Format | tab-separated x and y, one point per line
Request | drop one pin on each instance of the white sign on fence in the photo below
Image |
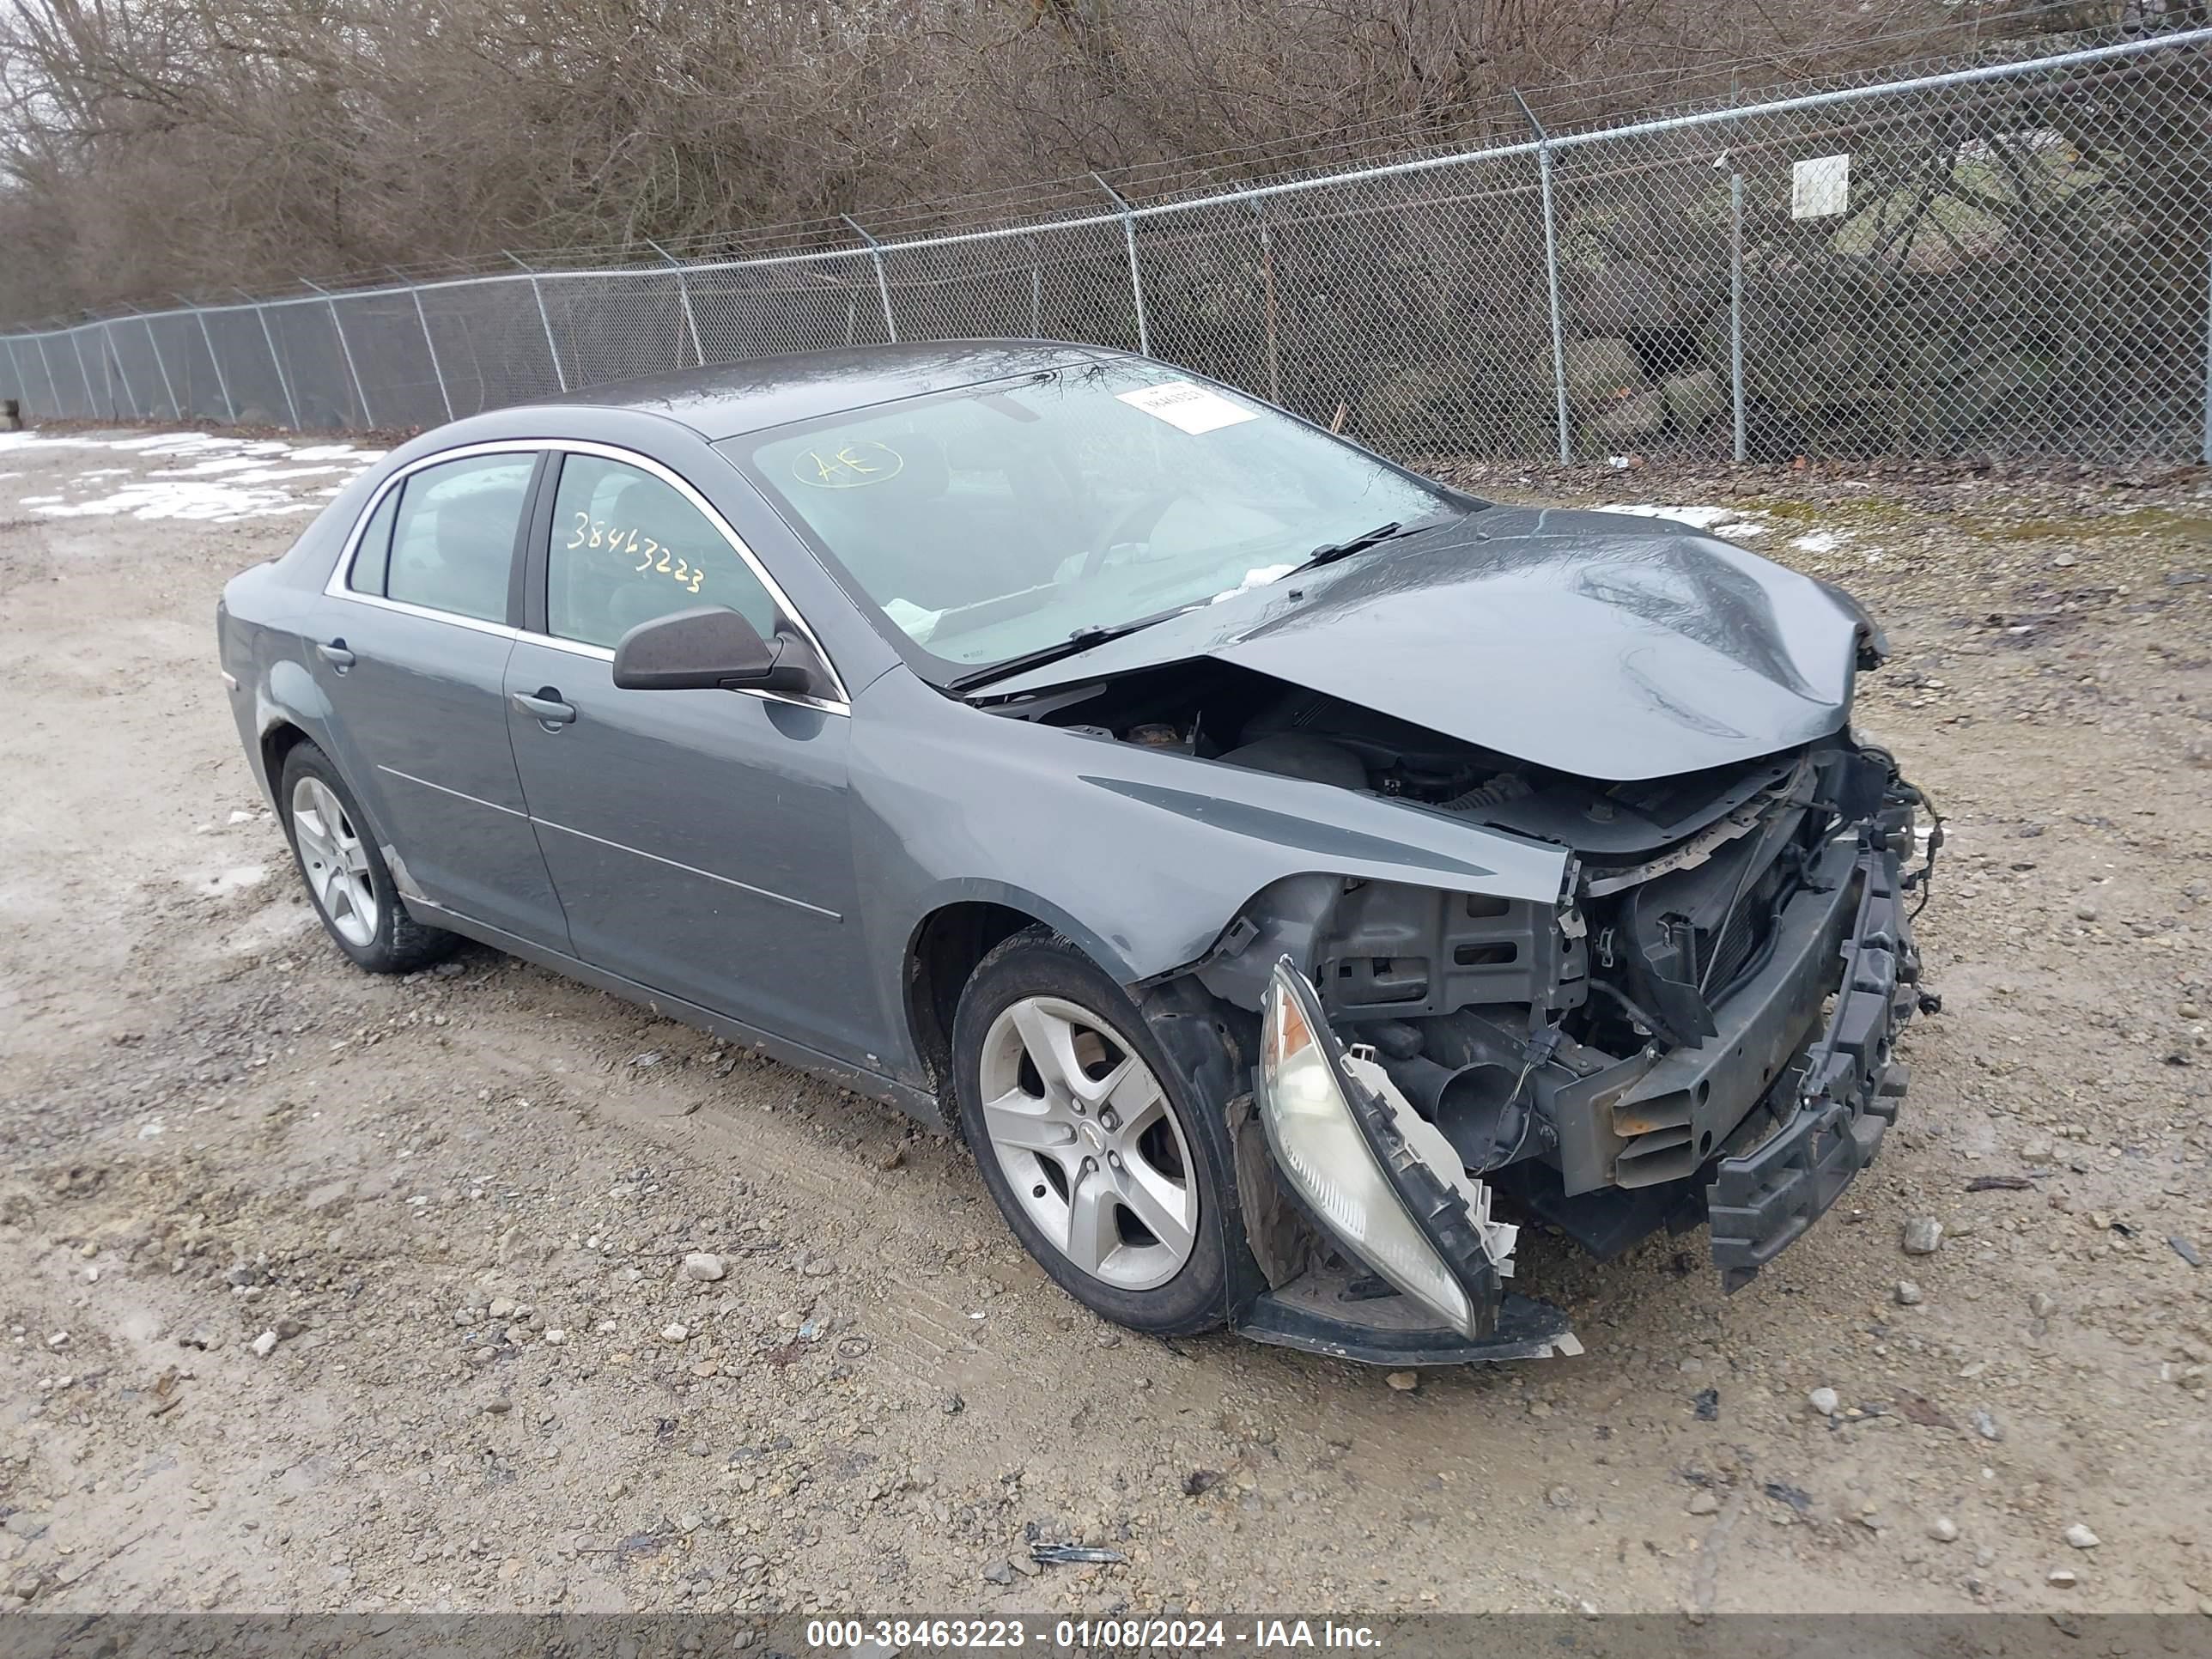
1820	187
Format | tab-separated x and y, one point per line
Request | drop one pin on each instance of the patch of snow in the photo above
216	478
1718	520
218	464
195	443
221	503
337	452
1819	541
1698	517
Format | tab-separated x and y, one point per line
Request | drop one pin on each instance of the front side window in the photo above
452	541
999	520
628	547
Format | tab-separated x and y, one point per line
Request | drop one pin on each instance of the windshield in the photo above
1002	520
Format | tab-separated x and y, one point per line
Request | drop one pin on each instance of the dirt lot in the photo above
461	1202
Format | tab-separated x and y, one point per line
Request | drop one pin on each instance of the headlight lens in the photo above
1327	1159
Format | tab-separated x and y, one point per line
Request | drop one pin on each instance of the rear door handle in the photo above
546	707
334	653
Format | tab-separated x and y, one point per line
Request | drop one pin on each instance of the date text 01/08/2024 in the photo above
899	1635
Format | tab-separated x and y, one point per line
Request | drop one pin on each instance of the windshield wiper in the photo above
1081	640
1330	552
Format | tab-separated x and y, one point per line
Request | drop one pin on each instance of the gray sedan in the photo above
1282	870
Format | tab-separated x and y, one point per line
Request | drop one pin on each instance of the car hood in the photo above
1605	645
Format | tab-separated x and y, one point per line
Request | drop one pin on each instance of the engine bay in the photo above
1217	711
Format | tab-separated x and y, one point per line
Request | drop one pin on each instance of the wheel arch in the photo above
278	740
952	935
288	708
941	955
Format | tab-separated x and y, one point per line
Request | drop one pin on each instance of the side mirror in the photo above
710	649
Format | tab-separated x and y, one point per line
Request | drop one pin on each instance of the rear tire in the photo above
1110	1159
347	879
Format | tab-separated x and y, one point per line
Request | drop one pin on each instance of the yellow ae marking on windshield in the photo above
848	466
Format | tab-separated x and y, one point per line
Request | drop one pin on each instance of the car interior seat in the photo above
595	578
472	534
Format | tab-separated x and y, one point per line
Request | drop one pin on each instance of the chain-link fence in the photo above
2007	259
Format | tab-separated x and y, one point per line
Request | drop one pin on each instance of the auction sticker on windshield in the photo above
1193	408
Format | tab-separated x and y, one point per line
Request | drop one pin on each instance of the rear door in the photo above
410	643
698	839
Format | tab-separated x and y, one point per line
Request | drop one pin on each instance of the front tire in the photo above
346	876
1109	1160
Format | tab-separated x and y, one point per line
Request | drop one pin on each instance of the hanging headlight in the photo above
1347	1149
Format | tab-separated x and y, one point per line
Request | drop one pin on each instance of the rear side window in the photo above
452	539
373	555
627	549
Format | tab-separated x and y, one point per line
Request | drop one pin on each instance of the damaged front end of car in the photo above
1427	1261
1701	1027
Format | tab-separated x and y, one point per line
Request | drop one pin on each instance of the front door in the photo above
698	839
412	654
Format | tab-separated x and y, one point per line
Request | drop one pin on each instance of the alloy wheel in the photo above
1089	1142
336	862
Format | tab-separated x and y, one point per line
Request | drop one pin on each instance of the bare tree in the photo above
149	146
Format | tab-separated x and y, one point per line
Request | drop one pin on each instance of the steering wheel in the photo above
1132	523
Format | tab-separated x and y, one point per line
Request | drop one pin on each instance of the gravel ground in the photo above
329	1292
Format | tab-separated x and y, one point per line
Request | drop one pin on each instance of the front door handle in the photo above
546	707
334	653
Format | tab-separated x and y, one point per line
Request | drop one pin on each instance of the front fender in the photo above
1140	856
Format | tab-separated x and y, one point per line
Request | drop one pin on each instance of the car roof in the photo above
723	400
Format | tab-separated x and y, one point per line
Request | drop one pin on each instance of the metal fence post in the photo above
1735	302
277	362
684	292
222	381
91	400
1136	276
429	345
176	406
883	282
22	392
545	321
360	397
1551	280
2206	452
54	388
111	354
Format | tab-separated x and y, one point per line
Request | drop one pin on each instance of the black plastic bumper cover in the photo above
1762	1202
1313	1313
